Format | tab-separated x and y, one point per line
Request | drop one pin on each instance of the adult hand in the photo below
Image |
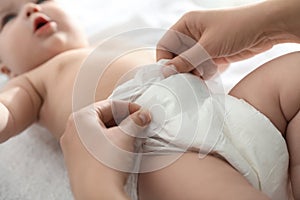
121	122
225	35
107	128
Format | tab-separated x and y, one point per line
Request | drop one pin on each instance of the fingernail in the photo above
144	116
163	61
169	70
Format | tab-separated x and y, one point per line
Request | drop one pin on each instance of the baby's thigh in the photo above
193	178
273	89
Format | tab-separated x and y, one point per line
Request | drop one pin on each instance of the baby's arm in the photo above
293	140
19	107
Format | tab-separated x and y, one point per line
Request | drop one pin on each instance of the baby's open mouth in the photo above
39	22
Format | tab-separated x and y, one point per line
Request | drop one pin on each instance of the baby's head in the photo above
32	32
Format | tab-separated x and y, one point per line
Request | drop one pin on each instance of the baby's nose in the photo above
30	8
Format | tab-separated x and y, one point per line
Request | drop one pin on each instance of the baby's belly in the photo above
113	74
61	99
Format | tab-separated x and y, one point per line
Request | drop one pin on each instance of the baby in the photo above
42	50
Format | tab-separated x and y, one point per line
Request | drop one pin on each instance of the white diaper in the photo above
186	116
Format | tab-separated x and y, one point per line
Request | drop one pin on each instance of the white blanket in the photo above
31	164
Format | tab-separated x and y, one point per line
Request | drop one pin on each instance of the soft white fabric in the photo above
187	116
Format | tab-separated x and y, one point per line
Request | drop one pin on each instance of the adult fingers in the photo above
206	70
175	41
95	135
130	128
111	113
195	59
135	124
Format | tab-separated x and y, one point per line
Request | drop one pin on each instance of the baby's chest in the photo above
57	102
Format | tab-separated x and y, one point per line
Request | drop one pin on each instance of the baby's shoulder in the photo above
70	56
46	73
63	60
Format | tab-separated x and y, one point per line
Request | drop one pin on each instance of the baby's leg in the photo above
86	174
273	89
188	178
195	179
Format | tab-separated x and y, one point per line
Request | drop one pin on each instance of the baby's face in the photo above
32	32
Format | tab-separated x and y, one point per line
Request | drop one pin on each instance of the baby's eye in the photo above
40	1
7	18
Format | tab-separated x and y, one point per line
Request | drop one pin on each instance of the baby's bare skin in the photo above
54	82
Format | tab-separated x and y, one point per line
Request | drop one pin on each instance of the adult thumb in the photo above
135	124
191	59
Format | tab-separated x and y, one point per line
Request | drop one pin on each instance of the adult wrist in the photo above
280	21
